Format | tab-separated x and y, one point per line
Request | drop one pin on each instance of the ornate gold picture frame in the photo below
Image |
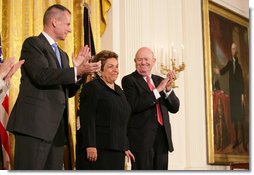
226	54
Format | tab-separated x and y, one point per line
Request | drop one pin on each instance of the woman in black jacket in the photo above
102	141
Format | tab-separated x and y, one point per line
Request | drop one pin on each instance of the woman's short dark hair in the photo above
103	56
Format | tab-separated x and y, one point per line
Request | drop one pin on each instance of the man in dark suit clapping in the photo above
150	97
39	118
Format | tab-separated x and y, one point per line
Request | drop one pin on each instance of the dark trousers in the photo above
156	158
107	160
35	154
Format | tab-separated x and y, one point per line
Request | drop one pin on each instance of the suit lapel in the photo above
50	49
47	45
155	80
65	62
141	81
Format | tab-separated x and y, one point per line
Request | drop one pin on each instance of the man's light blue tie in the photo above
57	53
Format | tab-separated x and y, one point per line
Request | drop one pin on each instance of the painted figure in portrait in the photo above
230	78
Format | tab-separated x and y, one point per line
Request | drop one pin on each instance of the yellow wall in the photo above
23	18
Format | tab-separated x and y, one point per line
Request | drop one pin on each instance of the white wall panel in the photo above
156	24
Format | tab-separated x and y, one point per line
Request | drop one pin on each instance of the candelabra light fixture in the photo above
171	59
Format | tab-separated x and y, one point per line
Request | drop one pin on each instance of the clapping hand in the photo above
8	68
171	78
167	83
14	68
84	55
83	62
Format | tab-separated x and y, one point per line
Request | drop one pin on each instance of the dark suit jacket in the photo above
143	123
44	90
104	115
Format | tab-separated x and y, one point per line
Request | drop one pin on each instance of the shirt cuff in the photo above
167	93
156	94
75	73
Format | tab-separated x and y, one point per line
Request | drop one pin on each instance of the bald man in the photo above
151	98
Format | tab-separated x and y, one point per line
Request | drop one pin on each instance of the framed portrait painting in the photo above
226	54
